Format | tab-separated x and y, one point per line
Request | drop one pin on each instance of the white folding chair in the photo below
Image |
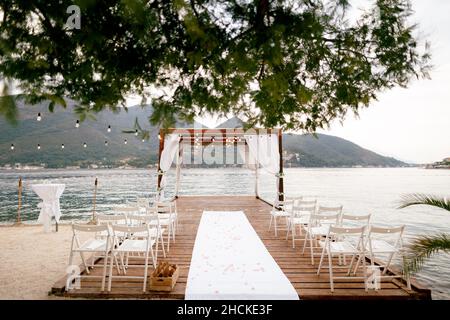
280	209
318	228
151	219
143	243
300	216
167	219
92	245
386	242
338	242
350	220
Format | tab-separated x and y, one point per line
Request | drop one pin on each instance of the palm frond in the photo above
424	199
423	248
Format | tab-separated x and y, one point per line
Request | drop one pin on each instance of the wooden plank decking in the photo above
296	266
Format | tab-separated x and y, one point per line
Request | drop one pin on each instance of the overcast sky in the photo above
410	124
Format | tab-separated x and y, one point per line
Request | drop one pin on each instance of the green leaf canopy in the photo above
296	64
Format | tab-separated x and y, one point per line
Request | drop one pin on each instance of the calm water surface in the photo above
375	191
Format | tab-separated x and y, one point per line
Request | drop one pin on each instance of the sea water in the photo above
359	190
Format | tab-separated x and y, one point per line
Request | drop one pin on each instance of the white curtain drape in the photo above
265	150
171	147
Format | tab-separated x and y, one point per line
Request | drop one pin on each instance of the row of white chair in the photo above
338	234
134	231
114	248
359	243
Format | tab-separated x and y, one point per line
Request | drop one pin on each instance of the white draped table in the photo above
229	261
49	194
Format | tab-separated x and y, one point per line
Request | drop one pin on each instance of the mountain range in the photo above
91	143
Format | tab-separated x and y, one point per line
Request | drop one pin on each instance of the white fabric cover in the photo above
50	194
229	261
264	147
171	146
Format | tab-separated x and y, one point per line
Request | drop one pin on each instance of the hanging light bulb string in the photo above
109	129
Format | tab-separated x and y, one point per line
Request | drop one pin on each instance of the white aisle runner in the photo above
229	261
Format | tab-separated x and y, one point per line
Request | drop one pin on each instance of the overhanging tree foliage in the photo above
297	64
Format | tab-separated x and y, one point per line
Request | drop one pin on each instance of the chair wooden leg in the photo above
105	262
321	260
110	272
84	262
288	229
365	272
330	271
305	240
168	238
144	288
162	245
311	248
293	231
275	225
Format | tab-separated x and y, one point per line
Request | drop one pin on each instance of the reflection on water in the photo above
374	191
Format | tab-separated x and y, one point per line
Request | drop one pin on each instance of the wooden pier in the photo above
296	266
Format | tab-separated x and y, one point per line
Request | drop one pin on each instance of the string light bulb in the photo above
77	124
39	118
85	145
39	147
62	146
12	147
143	140
136	133
125	141
109	128
106	143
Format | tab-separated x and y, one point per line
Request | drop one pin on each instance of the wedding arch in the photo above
259	149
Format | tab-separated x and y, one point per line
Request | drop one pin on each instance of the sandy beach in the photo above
32	261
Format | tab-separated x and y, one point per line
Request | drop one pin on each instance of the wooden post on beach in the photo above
281	180
19	220
94	202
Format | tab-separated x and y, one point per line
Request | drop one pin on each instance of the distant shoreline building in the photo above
444	164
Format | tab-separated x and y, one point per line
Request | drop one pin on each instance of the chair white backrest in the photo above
355	220
103	219
326	209
392	236
324	219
